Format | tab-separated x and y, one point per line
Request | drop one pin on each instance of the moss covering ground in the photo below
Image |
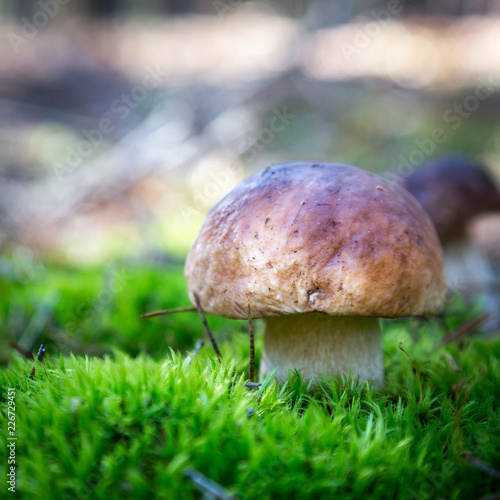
126	416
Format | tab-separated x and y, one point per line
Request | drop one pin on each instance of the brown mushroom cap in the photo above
452	190
302	237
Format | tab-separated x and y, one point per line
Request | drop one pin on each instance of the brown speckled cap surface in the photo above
301	237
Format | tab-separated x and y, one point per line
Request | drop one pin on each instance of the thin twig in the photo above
479	464
416	371
207	486
168	311
196	350
39	357
252	385
452	364
494	496
23	352
302	203
441	315
103	178
465	329
252	346
207	328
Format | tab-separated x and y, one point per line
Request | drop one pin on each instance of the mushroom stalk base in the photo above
315	343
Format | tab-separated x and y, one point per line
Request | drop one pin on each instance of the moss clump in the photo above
129	428
131	423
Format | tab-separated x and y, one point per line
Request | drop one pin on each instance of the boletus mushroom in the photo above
453	190
320	251
484	234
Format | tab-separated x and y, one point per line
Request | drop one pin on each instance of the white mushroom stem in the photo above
466	266
316	343
468	270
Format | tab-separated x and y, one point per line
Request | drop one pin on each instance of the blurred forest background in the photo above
122	123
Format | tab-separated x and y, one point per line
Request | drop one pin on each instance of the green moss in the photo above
120	426
130	422
96	310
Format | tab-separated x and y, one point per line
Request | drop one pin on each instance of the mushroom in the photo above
484	234
321	251
453	190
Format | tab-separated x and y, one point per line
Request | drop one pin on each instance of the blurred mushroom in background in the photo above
454	190
484	233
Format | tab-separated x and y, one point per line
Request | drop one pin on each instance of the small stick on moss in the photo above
495	496
252	385
479	464
207	328
23	352
452	364
196	350
210	488
168	311
425	318
252	346
39	357
416	370
465	329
